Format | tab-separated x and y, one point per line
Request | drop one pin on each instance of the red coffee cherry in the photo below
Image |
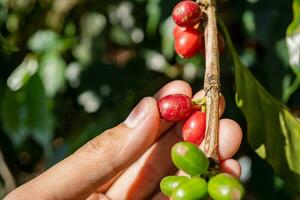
175	107
188	42
193	130
186	13
178	30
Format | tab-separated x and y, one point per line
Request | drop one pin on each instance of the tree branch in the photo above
211	82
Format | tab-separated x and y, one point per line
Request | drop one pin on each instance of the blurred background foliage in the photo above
71	69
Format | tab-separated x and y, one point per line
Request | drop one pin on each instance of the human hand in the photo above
129	160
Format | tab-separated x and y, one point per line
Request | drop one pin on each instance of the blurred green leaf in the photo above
52	72
166	32
293	36
272	130
249	23
92	24
294	27
23	72
12	23
48	40
153	11
39	118
26	113
13	115
7	46
120	36
43	40
293	46
3	10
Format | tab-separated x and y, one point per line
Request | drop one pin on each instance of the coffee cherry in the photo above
177	30
169	183
193	130
225	187
175	107
186	13
192	189
187	43
189	158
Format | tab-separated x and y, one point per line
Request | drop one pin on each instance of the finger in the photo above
141	179
103	188
230	138
222	104
232	167
174	87
99	160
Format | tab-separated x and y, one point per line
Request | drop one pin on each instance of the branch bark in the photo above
211	82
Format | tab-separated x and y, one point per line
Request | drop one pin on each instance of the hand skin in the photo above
129	160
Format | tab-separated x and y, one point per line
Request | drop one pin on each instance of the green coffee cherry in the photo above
191	189
225	187
189	158
169	183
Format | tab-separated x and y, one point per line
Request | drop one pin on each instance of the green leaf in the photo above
43	40
153	11
52	72
39	120
120	36
13	115
166	32
7	46
293	36
293	43
294	27
23	72
92	24
272	130
3	10
26	113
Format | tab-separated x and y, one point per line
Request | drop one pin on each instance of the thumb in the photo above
100	159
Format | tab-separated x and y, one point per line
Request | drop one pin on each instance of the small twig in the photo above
9	183
211	82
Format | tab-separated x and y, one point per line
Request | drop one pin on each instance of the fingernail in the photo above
138	114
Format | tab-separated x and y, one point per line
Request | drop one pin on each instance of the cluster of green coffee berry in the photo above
200	180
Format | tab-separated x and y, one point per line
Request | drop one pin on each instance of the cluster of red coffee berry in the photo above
178	107
188	31
187	157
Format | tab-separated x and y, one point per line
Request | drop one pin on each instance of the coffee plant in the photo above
71	69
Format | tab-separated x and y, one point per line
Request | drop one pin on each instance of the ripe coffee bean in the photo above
169	183
189	158
187	43
192	189
186	14
225	187
175	107
177	30
193	129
